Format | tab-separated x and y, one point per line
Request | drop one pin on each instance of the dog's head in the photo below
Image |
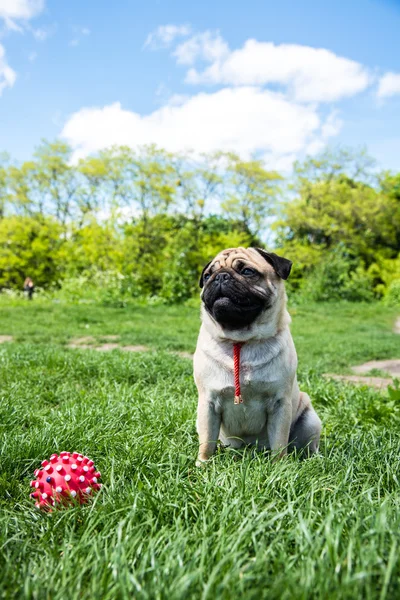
241	283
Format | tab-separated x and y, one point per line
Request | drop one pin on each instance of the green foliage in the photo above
3	183
250	193
338	277
46	185
152	219
98	246
344	226
30	247
192	246
96	286
386	275
392	295
394	391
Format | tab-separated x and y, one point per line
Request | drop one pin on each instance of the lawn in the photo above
243	527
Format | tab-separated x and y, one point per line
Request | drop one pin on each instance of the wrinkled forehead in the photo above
227	258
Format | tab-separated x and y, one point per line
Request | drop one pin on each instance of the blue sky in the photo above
277	79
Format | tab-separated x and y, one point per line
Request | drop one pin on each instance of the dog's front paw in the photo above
201	462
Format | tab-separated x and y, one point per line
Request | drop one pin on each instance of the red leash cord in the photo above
236	372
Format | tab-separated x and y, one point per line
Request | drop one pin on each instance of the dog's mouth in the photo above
233	311
243	303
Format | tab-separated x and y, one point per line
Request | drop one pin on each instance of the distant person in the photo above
29	287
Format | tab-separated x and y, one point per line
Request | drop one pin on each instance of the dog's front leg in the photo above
279	421
208	424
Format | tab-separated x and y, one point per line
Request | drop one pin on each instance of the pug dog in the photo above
245	360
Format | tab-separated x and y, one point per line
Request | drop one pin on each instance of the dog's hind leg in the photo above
306	430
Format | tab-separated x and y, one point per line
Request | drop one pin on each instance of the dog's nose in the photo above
221	277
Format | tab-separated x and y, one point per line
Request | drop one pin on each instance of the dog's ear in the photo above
201	282
280	265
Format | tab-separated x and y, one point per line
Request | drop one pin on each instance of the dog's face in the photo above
241	283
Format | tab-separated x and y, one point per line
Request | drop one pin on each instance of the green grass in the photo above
243	527
328	336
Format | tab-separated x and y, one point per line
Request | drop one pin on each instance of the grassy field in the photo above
243	527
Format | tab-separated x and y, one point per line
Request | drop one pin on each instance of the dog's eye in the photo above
248	272
206	276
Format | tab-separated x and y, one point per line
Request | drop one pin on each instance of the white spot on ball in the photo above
88	490
58	489
73	493
37	485
67	477
81	478
58	467
74	466
44	496
94	479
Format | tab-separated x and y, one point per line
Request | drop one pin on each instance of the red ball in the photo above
66	477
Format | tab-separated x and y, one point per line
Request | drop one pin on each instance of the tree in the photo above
119	165
251	193
155	182
45	185
90	194
95	245
25	196
337	210
329	164
3	184
33	248
332	210
198	182
57	179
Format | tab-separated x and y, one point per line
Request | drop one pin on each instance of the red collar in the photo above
236	371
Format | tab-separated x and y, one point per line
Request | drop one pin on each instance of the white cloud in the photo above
246	120
208	46
389	85
11	10
41	34
311	74
32	56
164	35
7	75
79	30
269	104
78	33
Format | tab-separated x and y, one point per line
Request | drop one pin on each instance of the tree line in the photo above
140	223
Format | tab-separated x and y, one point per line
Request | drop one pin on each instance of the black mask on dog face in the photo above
231	301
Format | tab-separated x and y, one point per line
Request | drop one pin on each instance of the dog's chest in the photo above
259	389
260	374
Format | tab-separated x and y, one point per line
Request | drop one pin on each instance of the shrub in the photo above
109	288
31	247
338	277
392	296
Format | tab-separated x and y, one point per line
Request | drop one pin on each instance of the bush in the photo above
30	247
338	277
385	272
109	288
392	296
